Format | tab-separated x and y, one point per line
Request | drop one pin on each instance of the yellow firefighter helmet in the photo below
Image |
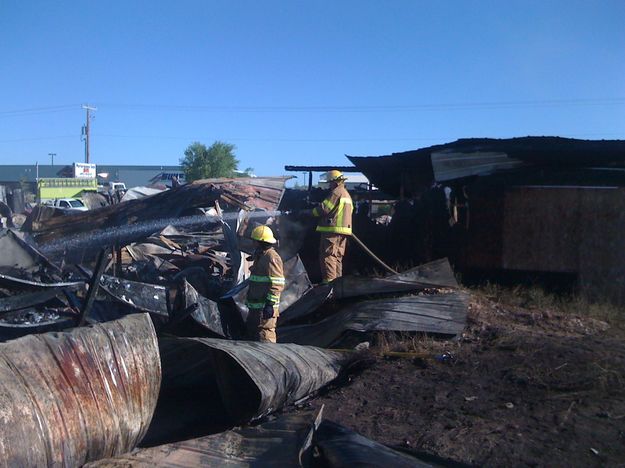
335	175
263	234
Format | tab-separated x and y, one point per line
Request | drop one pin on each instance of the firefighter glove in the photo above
268	311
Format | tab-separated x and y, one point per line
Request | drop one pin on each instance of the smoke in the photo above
292	232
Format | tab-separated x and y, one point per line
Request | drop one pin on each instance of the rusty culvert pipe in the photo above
72	397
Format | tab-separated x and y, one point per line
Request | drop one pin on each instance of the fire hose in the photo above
372	255
308	213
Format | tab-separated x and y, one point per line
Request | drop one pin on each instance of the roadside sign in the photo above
84	170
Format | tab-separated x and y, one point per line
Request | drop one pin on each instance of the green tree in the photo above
200	162
248	172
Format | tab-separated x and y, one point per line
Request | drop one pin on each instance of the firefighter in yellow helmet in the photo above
266	284
335	225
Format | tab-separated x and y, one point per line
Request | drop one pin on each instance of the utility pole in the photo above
85	129
52	155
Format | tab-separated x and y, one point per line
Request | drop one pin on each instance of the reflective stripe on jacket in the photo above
266	279
335	212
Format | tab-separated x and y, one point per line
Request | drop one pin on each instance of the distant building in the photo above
132	176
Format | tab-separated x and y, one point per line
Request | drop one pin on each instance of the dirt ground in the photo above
520	387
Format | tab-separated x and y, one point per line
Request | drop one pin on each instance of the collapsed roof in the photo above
414	171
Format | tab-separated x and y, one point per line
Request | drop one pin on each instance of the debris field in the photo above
123	344
123	335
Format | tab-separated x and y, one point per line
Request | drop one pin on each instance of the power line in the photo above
381	108
58	137
292	140
483	105
38	110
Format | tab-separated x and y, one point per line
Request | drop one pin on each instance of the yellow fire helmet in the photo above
263	234
335	175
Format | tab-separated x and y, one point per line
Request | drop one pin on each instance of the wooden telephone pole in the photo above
86	129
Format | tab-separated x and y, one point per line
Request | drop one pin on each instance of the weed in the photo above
535	297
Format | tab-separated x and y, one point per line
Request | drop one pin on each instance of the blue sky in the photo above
294	82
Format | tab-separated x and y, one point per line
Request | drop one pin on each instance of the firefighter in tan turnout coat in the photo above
266	284
335	225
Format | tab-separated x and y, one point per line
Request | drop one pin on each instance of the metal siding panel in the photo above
450	165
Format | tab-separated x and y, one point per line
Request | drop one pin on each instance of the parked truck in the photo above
69	204
58	188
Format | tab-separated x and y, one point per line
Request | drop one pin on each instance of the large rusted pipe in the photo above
72	397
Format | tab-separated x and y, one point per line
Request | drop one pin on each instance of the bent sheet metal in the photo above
284	442
443	313
68	398
254	379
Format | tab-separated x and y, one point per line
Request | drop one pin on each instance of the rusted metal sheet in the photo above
131	221
284	442
69	398
263	193
442	313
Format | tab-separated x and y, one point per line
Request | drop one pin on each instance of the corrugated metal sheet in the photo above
263	193
68	398
433	274
341	447
450	164
443	313
283	442
254	379
82	233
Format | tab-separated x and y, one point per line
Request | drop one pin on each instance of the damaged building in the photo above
546	208
122	334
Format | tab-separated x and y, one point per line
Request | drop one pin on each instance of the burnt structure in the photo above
532	205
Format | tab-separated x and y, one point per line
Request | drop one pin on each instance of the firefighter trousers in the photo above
259	329
331	252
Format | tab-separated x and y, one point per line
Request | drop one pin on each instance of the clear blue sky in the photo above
295	82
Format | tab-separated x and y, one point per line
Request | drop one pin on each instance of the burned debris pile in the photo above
105	312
